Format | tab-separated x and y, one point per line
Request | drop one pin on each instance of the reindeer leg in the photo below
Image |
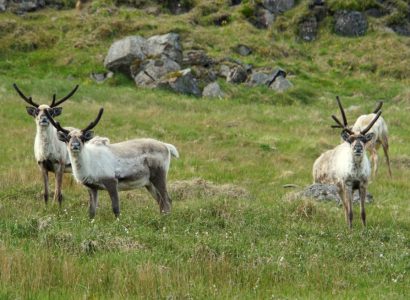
362	192
385	145
45	180
349	197
59	181
93	202
111	187
158	181
375	160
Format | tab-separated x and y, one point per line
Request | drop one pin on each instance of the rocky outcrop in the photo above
350	23
159	62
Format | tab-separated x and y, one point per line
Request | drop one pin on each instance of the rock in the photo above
401	29
350	23
204	75
308	29
224	71
196	58
281	84
152	71
181	82
167	44
101	77
262	18
263	78
213	90
237	75
259	78
124	53
3	5
325	192
278	6
243	50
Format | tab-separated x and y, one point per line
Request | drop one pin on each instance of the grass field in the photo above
223	245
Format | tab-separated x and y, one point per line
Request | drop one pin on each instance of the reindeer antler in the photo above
55	123
29	100
95	122
378	107
364	131
343	125
53	103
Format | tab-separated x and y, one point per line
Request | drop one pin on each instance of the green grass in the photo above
210	246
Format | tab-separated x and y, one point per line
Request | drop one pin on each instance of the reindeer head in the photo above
38	111
75	139
357	140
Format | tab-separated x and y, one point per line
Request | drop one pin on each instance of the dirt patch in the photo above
200	188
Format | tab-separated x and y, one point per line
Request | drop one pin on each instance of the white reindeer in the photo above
114	167
347	165
50	153
380	137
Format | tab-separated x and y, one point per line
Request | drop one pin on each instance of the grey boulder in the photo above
153	70
213	90
281	84
168	44
181	82
350	23
125	53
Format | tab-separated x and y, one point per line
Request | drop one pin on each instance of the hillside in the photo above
233	231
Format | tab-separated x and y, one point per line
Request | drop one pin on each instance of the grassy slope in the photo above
208	247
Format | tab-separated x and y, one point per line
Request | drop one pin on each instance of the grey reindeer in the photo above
115	167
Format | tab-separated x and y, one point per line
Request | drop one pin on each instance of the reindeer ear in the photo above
62	136
345	136
88	135
55	111
368	137
32	111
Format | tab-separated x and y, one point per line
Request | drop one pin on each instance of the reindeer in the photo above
347	165
380	137
115	167
50	153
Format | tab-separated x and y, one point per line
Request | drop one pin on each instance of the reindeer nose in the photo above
44	120
75	146
358	149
